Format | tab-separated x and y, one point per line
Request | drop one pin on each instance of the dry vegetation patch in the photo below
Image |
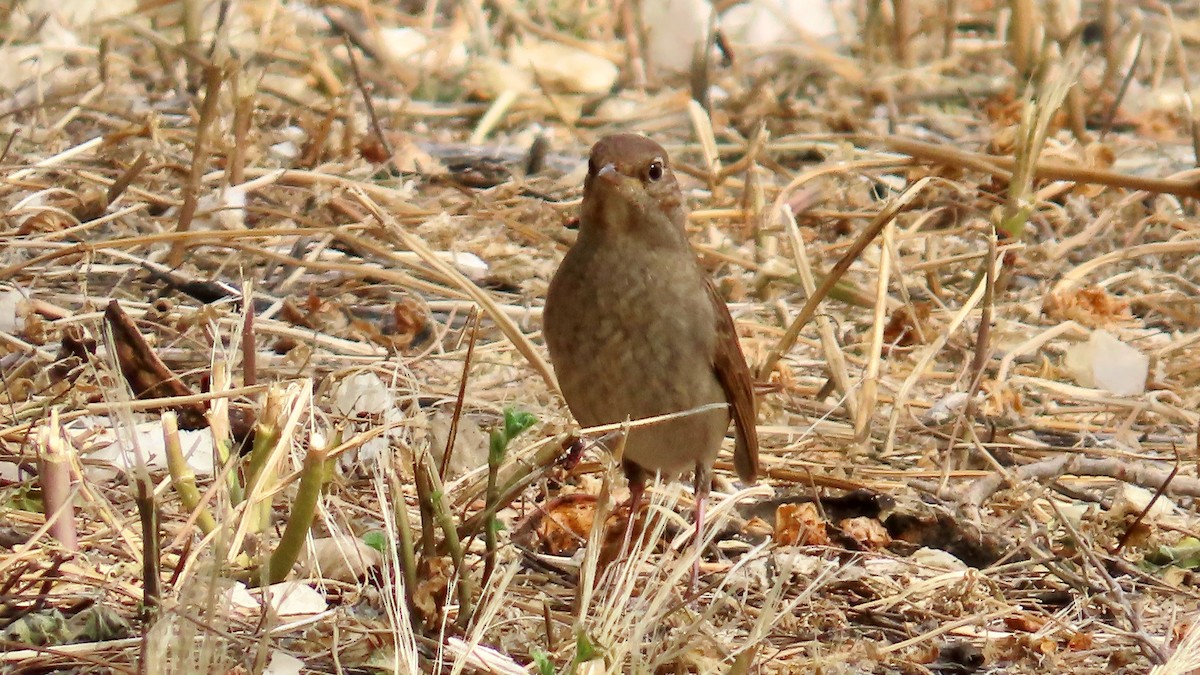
273	385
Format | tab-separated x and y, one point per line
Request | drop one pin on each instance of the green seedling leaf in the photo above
584	649
48	627
376	540
542	659
26	498
97	624
1185	554
517	422
496	526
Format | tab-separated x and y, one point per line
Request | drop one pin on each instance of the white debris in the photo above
1107	363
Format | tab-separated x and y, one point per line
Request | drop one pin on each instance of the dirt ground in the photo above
959	242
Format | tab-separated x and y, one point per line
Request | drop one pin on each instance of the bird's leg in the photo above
703	485
637	487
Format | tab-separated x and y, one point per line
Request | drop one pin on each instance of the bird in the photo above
635	328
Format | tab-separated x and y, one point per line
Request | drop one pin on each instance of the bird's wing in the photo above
729	364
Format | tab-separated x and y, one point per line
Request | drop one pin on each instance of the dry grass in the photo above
976	507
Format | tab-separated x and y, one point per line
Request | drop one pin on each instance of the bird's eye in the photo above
654	171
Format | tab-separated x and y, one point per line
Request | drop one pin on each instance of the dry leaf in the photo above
906	326
757	527
800	525
294	599
868	533
1000	399
1093	307
146	374
1025	623
1080	641
565	523
429	597
340	557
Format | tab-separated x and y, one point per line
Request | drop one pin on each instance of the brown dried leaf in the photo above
76	343
429	597
1024	623
800	525
757	527
906	325
146	374
1180	631
90	205
1080	641
36	330
17	390
1099	156
1001	399
45	221
565	523
405	325
1004	110
1093	307
868	533
340	557
315	312
372	150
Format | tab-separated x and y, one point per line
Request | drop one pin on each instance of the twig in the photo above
1158	493
1125	82
1135	473
204	127
1076	274
982	352
243	117
1185	76
8	143
631	22
249	353
462	393
869	390
901	398
1021	47
126	178
362	88
949	27
829	343
1002	167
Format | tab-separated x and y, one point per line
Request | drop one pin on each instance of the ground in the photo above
960	250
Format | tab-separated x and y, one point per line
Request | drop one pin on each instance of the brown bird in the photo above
636	328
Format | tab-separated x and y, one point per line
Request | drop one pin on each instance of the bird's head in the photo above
630	188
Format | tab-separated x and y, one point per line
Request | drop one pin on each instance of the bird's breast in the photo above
632	334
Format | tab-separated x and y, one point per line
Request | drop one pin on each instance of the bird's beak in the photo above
608	173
